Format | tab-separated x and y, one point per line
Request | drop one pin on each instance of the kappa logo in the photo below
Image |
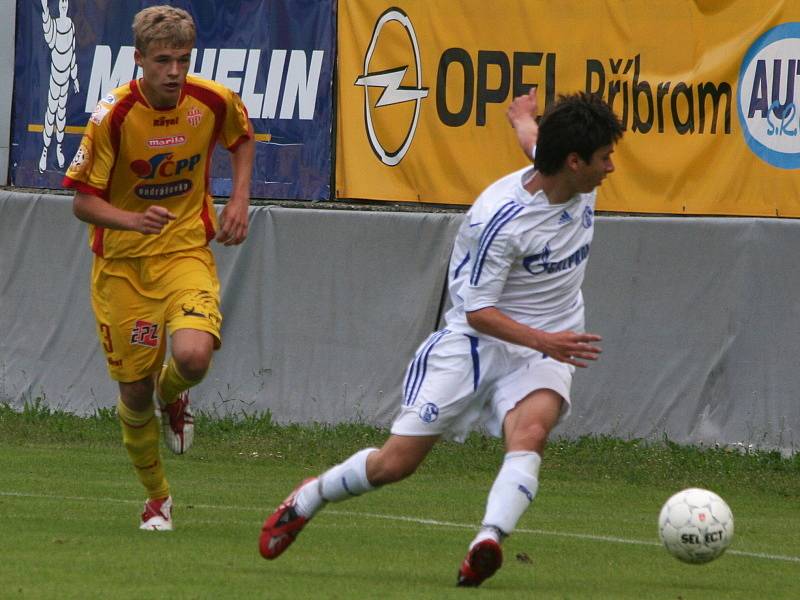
393	89
189	311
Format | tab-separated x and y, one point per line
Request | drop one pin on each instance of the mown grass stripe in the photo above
406	519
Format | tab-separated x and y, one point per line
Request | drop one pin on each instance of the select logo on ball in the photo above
695	525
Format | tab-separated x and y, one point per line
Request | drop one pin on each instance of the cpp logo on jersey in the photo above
164	165
393	92
429	412
768	86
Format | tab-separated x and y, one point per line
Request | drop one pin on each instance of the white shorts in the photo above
456	382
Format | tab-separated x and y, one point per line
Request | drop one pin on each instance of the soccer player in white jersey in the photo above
512	339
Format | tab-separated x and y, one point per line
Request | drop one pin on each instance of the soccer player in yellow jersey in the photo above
141	180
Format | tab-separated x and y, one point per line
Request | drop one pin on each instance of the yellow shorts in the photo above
135	299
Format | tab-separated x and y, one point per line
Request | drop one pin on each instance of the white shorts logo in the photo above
393	92
429	412
769	96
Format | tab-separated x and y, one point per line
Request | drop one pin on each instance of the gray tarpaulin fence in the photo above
323	309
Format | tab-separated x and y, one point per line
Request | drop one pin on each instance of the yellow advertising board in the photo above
708	92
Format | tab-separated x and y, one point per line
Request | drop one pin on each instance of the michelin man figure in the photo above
59	33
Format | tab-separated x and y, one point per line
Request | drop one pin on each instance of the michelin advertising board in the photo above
708	92
276	54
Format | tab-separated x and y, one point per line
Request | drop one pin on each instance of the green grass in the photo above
69	505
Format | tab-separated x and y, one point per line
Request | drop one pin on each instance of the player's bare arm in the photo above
564	346
234	219
93	209
522	114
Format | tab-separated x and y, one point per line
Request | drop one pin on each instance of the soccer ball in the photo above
695	525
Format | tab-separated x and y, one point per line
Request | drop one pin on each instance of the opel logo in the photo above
393	92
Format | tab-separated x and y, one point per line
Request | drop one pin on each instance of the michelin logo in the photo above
292	77
769	96
59	33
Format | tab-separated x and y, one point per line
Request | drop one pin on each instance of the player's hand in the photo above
233	223
523	113
153	220
524	108
570	347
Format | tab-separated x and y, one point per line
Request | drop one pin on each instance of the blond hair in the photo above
169	26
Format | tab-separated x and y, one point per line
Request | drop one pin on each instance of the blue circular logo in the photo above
429	412
588	217
769	96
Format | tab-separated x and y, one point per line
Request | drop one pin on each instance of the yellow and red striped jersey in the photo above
133	155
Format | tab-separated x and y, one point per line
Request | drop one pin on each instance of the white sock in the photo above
488	533
340	482
308	499
511	494
347	479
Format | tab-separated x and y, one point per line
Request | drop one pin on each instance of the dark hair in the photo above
579	123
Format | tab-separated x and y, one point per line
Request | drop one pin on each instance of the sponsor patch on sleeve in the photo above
82	158
99	113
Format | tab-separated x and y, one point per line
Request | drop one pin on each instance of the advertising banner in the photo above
706	91
277	55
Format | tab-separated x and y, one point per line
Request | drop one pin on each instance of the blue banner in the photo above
276	54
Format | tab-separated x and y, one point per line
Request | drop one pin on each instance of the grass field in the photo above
69	506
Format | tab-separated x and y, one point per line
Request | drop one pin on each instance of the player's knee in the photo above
137	395
192	363
532	437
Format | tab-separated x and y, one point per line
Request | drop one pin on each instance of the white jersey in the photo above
522	255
